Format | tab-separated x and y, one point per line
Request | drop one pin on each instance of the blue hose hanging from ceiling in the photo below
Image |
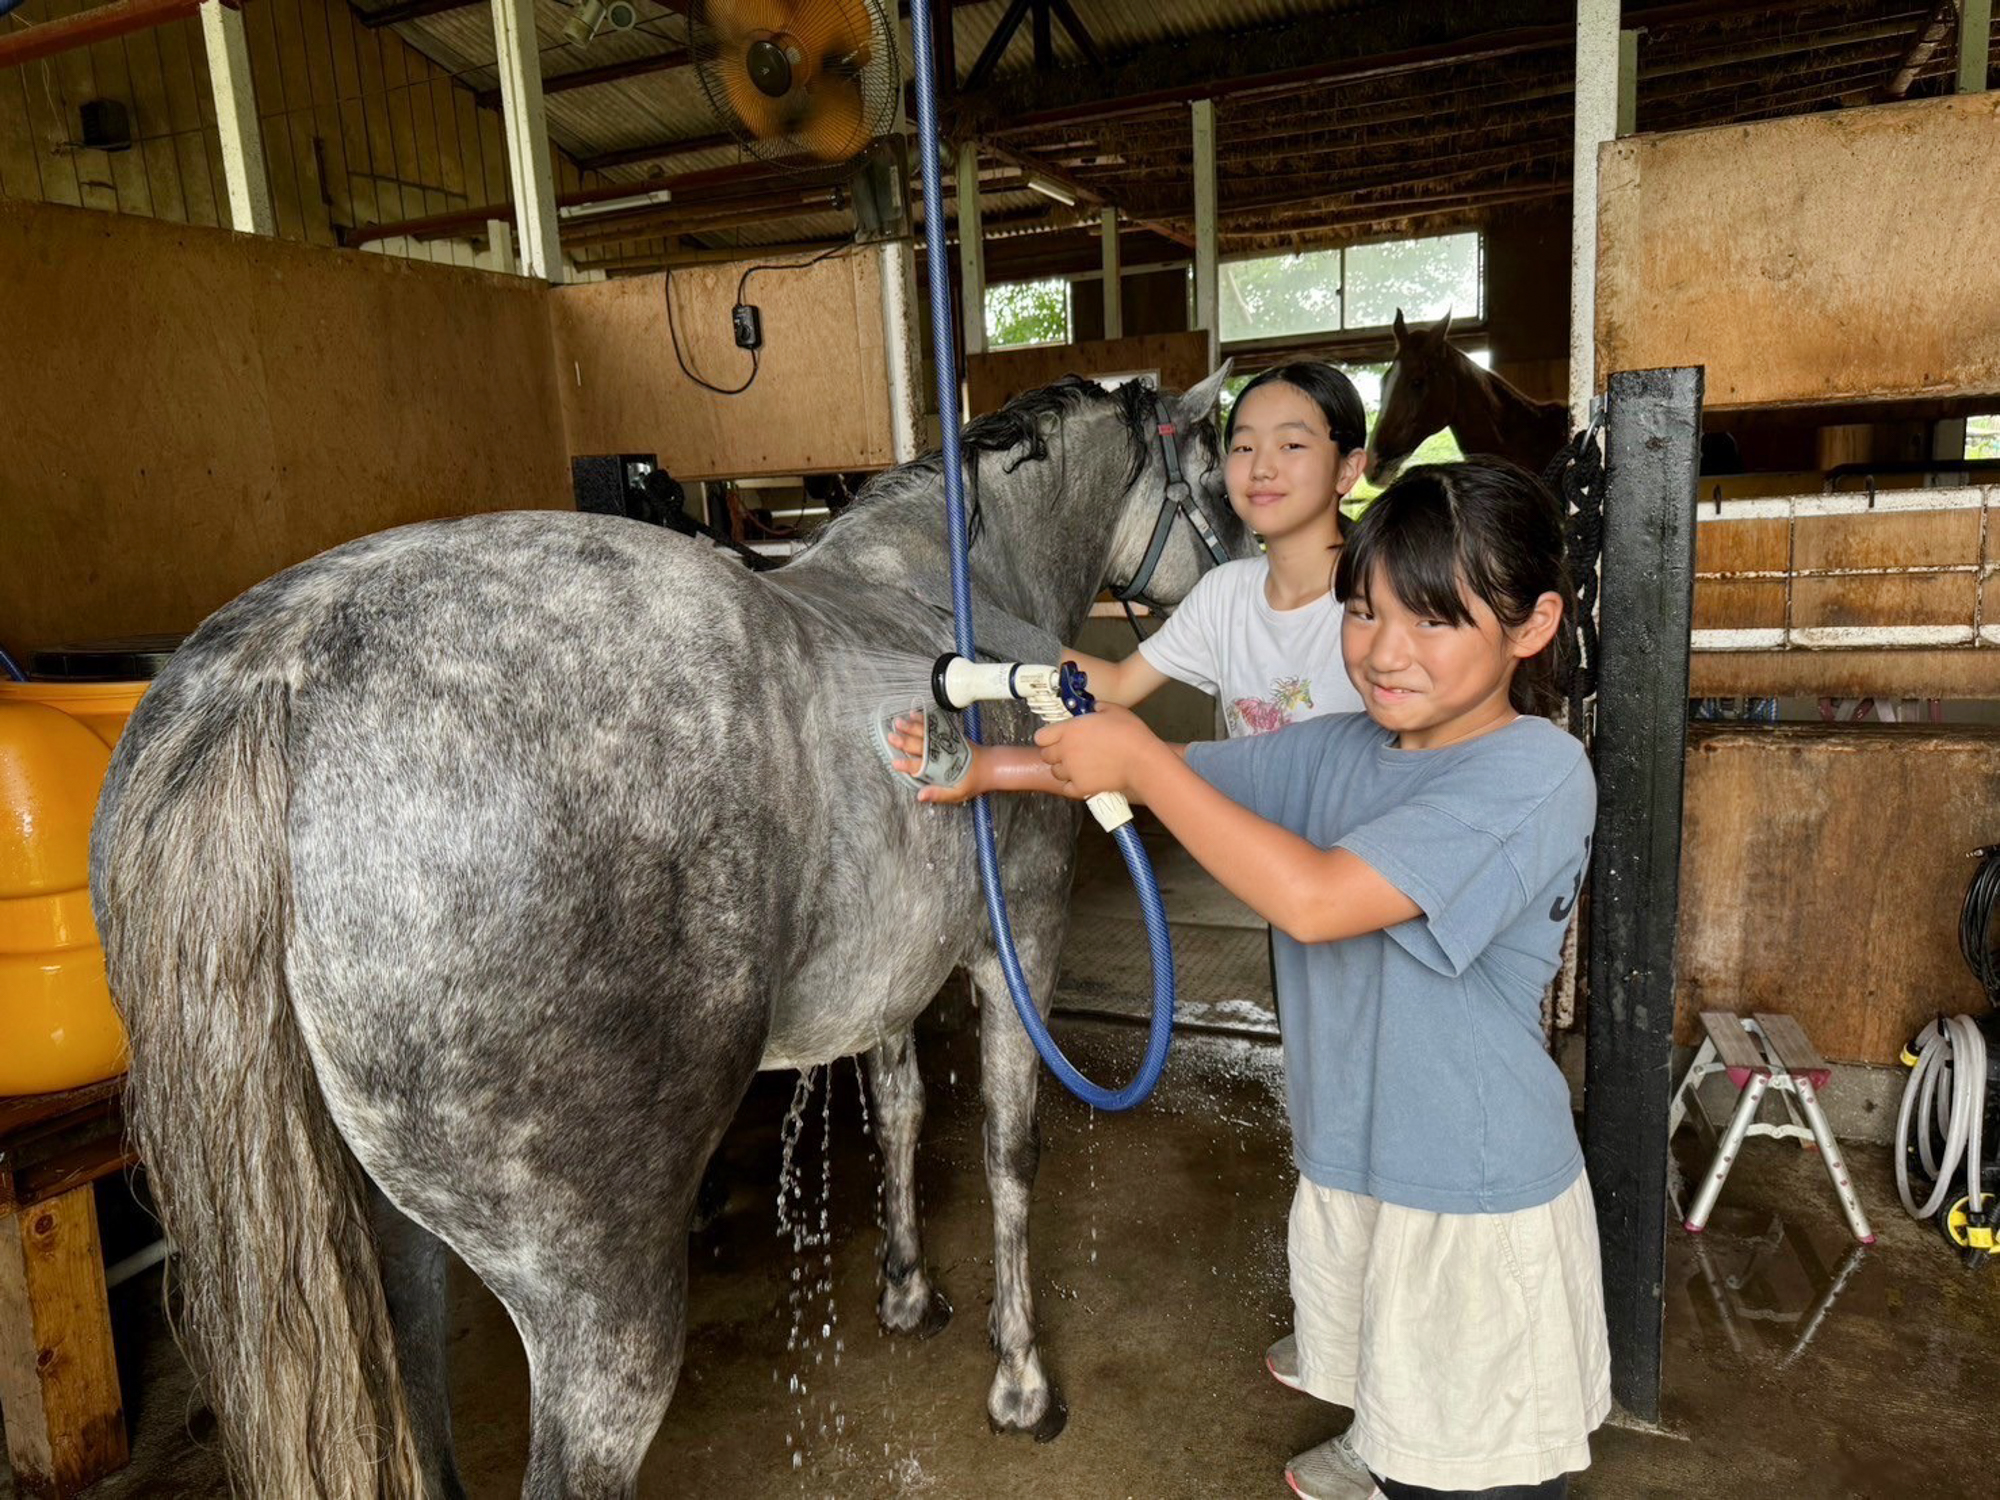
945	360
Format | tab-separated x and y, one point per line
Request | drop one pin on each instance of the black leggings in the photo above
1550	1489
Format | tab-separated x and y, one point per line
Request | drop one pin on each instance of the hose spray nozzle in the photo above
1054	693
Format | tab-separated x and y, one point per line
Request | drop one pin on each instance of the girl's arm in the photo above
1310	894
1125	683
994	768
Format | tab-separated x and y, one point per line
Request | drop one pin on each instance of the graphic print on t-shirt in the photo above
1262	715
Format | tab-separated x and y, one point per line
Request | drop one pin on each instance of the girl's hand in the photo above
1100	752
906	738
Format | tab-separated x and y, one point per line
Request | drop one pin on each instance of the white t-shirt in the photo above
1268	667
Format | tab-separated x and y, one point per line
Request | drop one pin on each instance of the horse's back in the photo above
522	862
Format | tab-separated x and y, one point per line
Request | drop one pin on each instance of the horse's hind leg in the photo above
910	1304
1022	1397
413	1279
604	1351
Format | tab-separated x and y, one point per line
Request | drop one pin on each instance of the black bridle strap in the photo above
1178	502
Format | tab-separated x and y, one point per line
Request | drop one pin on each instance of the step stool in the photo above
1759	1053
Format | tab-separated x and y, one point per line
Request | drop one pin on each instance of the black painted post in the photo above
1652	463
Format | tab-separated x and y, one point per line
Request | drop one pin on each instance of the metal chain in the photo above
1576	474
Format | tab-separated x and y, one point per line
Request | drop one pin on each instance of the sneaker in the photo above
1332	1471
1282	1360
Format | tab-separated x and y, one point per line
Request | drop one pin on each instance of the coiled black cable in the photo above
1975	923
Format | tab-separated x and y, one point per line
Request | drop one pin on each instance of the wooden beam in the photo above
1207	233
1078	32
971	250
630	156
58	1373
588	78
528	166
1652	446
1114	299
1085	194
996	45
237	121
1597	50
87	28
1416	35
1975	44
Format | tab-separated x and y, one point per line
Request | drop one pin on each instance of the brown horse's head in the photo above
1417	396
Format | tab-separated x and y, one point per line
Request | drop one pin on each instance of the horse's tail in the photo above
282	1306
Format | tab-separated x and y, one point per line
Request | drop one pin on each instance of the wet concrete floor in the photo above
1158	1255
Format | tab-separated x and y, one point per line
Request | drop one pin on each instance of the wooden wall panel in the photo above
992	380
1821	874
821	401
208	408
359	128
1826	257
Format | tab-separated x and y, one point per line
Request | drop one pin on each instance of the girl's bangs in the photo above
1406	539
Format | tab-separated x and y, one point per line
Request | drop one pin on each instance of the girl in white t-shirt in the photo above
1262	636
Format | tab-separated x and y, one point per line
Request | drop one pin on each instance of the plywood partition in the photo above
1840	256
1822	872
820	398
991	380
191	410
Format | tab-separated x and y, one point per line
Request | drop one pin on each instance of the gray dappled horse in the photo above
1433	385
455	883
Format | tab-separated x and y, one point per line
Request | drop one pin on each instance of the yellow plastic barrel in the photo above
58	1029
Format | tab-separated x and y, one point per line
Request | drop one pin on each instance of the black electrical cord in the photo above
674	338
742	283
1975	923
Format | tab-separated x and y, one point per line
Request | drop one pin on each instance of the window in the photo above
1277	295
1020	313
1326	291
1982	437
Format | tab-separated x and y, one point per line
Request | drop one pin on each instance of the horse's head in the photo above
1177	502
1416	396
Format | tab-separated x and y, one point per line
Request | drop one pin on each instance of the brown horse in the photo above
1432	386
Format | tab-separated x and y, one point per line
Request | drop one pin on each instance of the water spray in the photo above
945	361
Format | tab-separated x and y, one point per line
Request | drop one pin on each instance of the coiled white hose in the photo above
1946	1092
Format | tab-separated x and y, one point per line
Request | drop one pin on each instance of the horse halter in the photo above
1176	504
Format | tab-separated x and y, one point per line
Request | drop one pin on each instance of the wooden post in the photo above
900	343
1628	82
236	120
1975	44
1114	297
1652	460
1207	238
971	251
1596	122
58	1376
528	165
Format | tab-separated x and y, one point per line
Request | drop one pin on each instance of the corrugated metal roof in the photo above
1330	162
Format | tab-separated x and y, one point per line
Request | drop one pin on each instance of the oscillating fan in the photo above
792	78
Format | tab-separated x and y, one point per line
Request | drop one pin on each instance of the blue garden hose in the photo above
945	360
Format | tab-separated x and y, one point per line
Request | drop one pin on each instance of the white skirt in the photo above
1471	1347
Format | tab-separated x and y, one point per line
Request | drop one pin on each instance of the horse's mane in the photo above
1018	424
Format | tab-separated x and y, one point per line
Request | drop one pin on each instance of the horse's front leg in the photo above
910	1304
1022	1398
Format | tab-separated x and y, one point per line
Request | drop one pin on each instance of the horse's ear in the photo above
1402	328
1198	403
1444	328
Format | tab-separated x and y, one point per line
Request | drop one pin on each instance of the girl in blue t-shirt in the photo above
1421	863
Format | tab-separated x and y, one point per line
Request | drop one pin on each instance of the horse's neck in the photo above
1491	416
1025	558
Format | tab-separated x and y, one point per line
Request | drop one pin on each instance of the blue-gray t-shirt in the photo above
1414	1065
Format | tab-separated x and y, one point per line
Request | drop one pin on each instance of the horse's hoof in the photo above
1047	1430
937	1316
